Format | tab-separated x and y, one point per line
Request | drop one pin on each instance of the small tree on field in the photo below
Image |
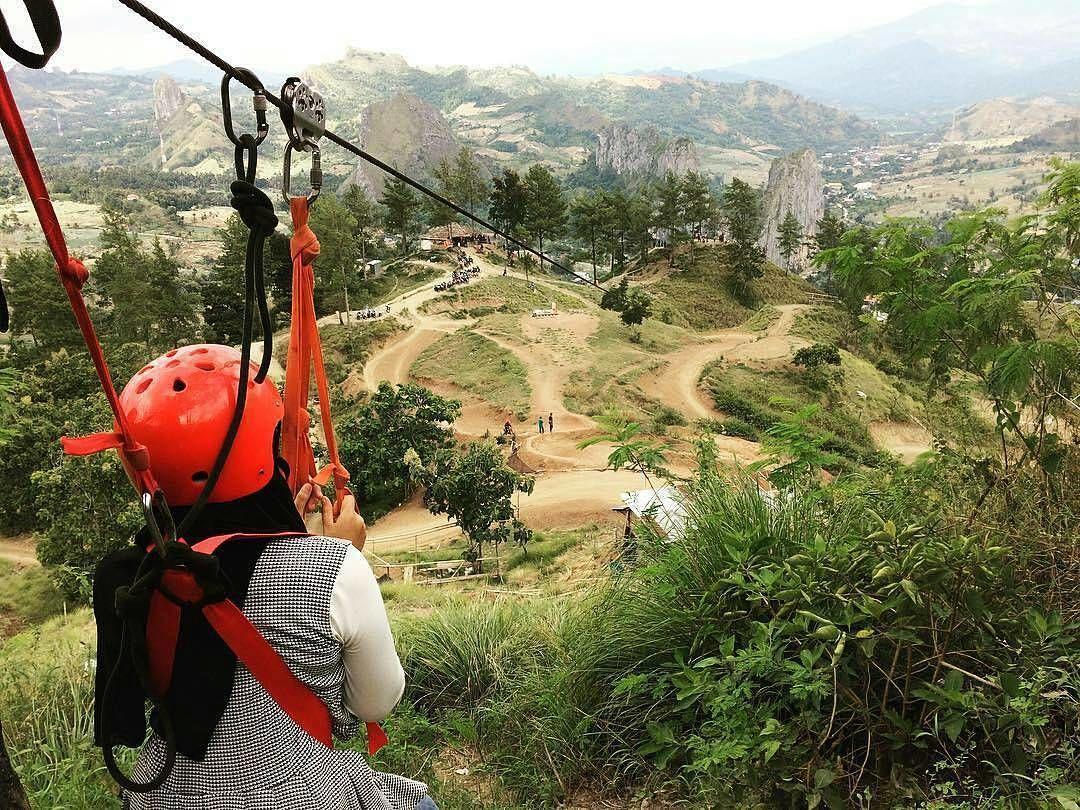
789	239
614	298
476	489
637	306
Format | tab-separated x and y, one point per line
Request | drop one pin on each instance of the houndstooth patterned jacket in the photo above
258	758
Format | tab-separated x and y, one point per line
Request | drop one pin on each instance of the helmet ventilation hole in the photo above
199	351
178	385
172	364
205	365
172	353
200	477
144	385
145	369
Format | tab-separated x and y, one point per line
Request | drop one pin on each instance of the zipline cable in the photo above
245	78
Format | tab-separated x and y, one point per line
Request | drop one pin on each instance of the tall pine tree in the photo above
744	221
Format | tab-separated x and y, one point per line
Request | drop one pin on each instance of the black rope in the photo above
257	212
245	78
47	27
124	603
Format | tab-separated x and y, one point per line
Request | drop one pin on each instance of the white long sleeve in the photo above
374	679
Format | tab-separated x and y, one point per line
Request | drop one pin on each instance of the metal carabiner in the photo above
245	143
316	174
153	504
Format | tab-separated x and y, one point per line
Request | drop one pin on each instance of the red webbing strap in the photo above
305	356
73	276
268	668
250	647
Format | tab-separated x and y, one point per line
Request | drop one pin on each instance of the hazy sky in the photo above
550	36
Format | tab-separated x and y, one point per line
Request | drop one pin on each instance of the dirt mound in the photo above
902	438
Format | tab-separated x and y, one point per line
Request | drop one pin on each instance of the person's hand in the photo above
348	525
308	499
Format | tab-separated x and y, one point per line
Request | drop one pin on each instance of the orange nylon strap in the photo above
73	276
305	356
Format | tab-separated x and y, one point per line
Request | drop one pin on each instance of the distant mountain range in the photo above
169	117
942	57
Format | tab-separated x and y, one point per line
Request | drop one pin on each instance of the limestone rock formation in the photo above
169	99
643	152
407	133
796	185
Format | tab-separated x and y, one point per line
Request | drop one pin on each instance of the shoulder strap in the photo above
246	642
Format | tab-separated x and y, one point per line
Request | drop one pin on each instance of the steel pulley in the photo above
303	112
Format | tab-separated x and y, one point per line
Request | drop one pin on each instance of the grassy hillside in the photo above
699	294
479	366
506	295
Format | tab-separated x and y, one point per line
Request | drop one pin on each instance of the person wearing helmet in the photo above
314	599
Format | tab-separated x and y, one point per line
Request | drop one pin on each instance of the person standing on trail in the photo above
540	424
312	610
551	423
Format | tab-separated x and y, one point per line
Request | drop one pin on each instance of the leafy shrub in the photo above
801	650
733	426
665	417
735	404
817	355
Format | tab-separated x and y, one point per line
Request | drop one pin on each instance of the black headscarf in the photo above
204	666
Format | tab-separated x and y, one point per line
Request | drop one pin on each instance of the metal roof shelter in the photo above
663	507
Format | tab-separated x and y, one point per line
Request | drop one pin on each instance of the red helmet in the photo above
180	406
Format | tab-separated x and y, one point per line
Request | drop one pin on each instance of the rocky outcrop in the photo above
407	133
643	152
169	99
795	185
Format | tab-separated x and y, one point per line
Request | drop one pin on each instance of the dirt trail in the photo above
561	500
19	550
676	383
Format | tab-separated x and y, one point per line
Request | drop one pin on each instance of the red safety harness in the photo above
179	587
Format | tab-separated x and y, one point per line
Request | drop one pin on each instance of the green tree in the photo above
614	298
829	230
590	217
142	293
545	207
637	307
670	214
697	205
222	289
39	307
981	300
401	207
375	438
789	238
743	219
439	215
364	220
335	266
476	488
469	184
506	203
636	220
